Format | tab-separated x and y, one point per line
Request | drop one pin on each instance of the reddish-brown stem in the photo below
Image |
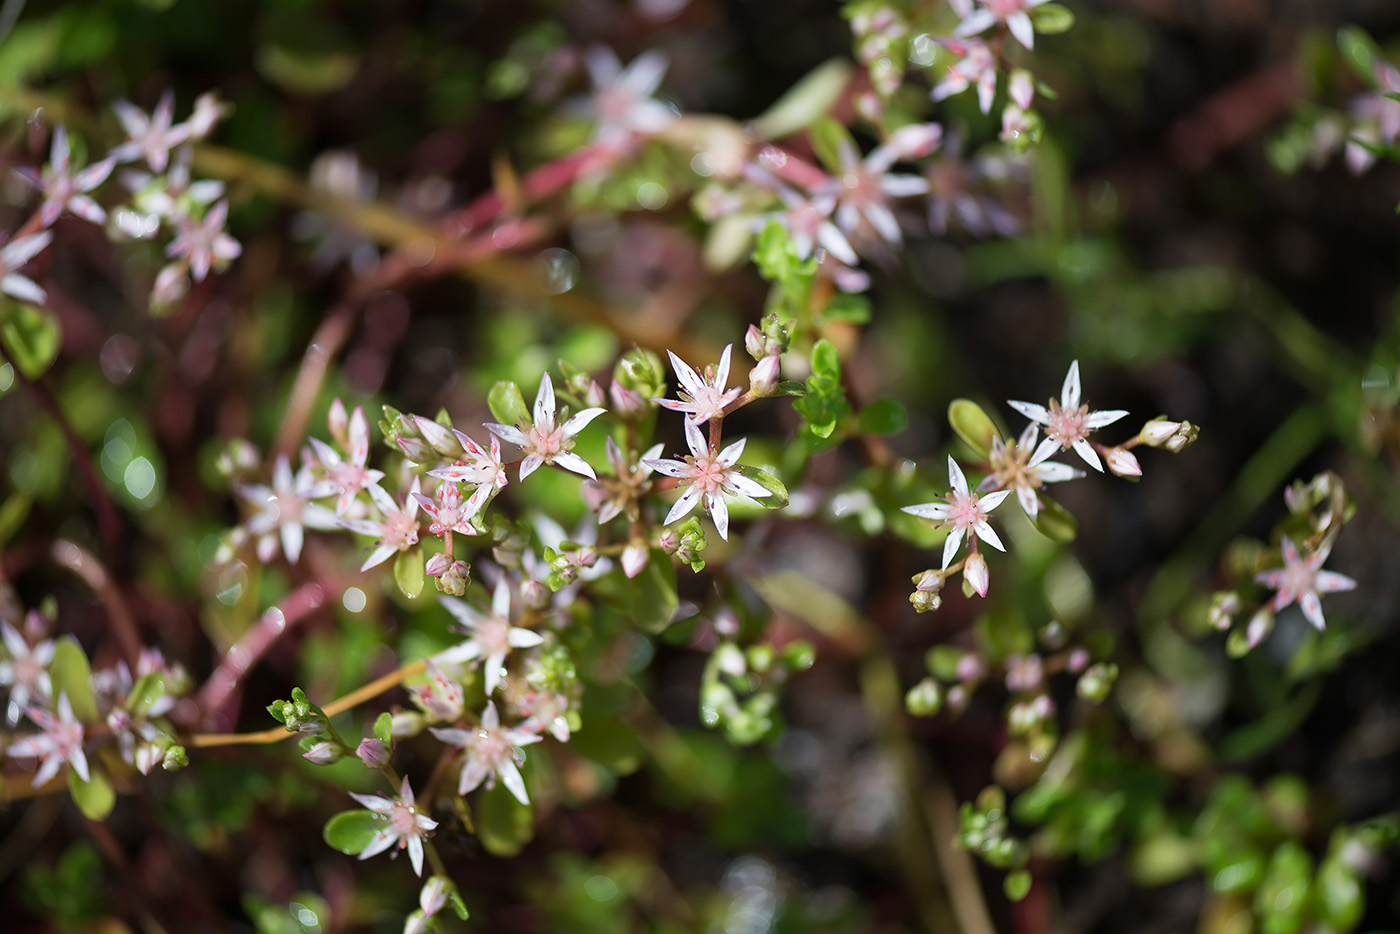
539	183
220	689
84	564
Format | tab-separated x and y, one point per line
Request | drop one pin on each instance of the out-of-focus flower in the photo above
702	398
64	188
61	741
1067	423
1011	470
338	177
204	244
863	188
965	513
1014	14
622	104
439	696
448	511
543	441
490	754
1302	579
705	474
348	474
492	635
404	825
149	137
25	672
13	257
1377	119
395	530
611	496
975	65
284	511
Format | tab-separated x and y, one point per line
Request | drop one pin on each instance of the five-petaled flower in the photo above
61	741
395	530
965	513
861	192
25	672
348	474
702	397
480	466
404	824
490	754
622	102
707	475
203	243
284	509
544	441
1012	470
1067	423
149	137
492	635
1302	579
63	188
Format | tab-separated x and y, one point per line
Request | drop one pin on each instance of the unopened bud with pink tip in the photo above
323	753
627	403
373	752
763	379
634	557
1021	88
1123	463
976	574
755	343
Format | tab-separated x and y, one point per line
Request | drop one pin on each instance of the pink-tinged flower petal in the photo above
1069	393
544	401
1029	500
731	454
571	461
506	433
1036	413
1104	417
530	464
511	778
1087	453
985	532
1332	582
937	511
683	506
956	478
719	512
576	423
1312	609
972	24
951	545
1021	29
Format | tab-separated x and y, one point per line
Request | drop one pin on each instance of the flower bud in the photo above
1123	463
1156	432
730	660
627	403
1185	437
439	437
754	342
1260	625
534	594
406	723
763	378
434	895
415	450
1078	660
175	759
924	699
635	557
1223	607
970	668
373	752
323	753
456	579
1096	682
438	564
976	574
929	581
1024	672
1021	88
669	541
416	923
925	602
147	757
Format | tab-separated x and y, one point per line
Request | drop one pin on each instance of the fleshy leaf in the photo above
778	494
383	728
95	798
408	572
1056	522
351	831
507	404
1051	19
72	675
806	101
882	417
144	694
972	425
652	594
1360	52
503	824
31	337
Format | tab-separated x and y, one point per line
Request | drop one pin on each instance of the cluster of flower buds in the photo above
163	197
739	689
984	828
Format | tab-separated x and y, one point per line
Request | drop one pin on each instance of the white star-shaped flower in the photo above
964	514
404	825
1067	423
702	397
492	635
711	476
543	441
1302	579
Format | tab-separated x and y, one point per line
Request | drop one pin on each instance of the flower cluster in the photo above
163	198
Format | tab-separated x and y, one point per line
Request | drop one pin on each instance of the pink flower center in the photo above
1067	425
403	821
493	635
966	512
707	474
400	530
546	441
